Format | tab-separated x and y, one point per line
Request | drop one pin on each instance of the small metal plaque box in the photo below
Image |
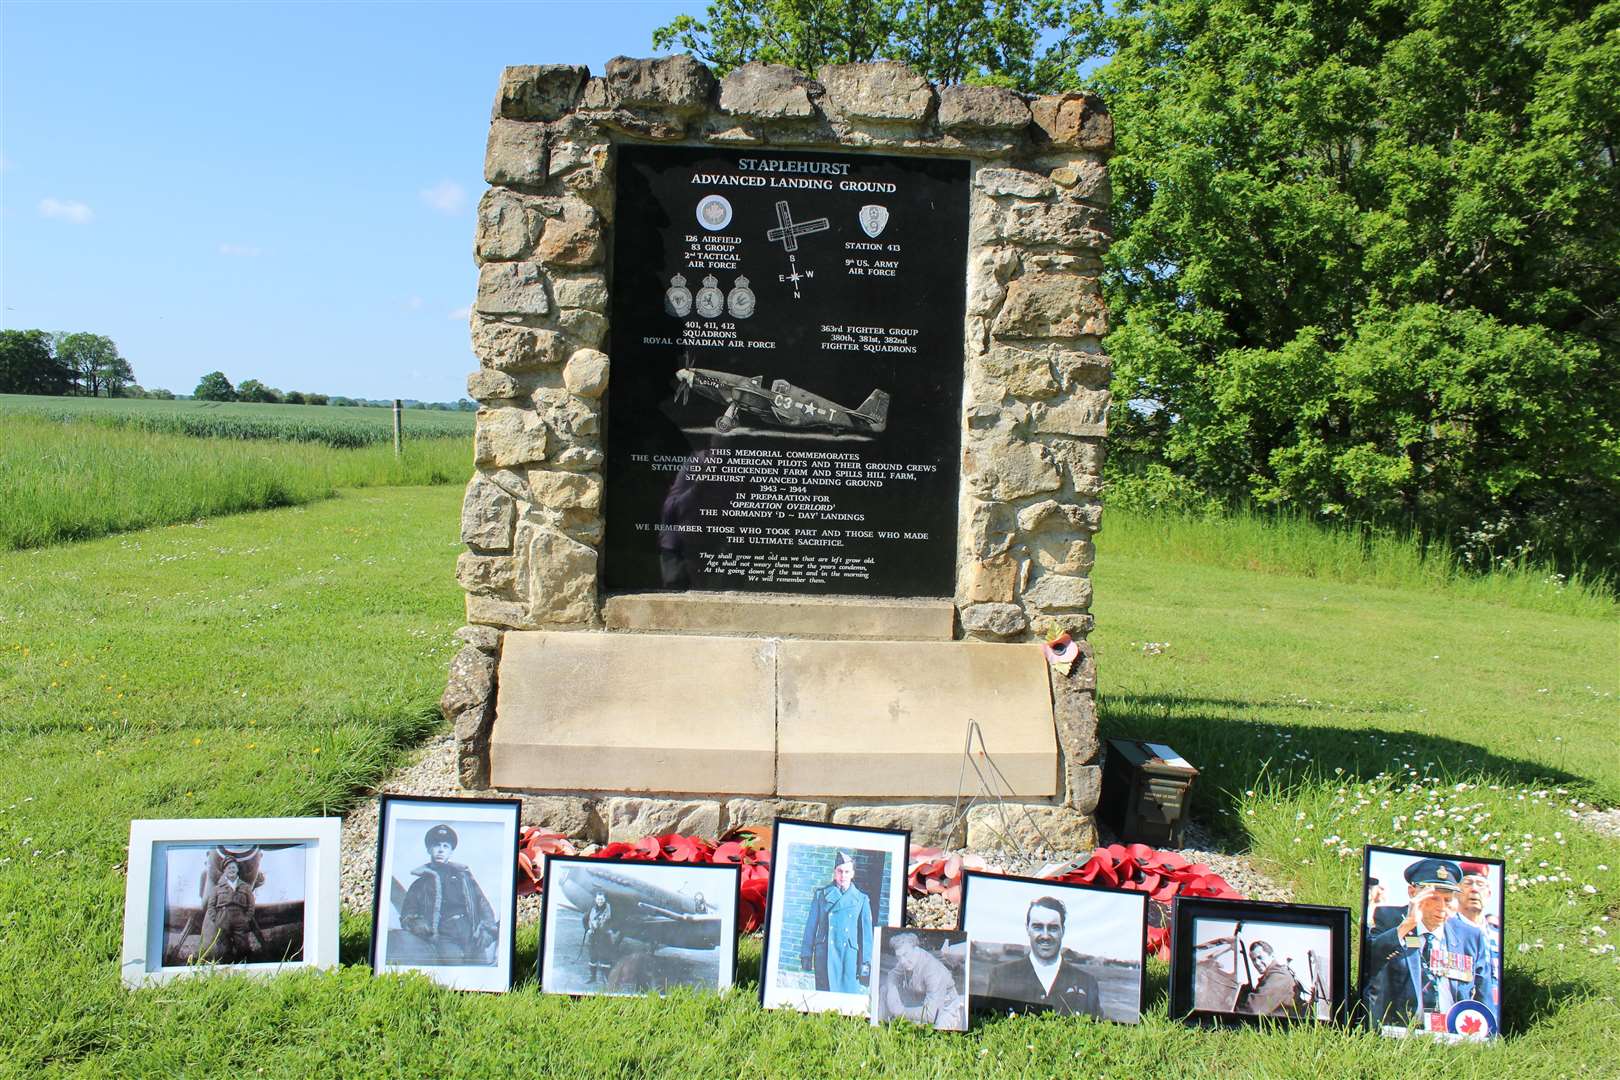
1146	792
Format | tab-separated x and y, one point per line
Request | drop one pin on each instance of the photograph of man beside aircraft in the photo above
781	405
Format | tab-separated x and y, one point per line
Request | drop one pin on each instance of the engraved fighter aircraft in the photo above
781	404
654	916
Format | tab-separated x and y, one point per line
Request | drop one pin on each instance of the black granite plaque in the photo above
784	409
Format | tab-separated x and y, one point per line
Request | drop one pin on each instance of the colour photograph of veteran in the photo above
922	977
446	918
1422	958
1276	970
1041	946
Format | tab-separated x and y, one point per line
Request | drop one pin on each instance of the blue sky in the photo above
278	191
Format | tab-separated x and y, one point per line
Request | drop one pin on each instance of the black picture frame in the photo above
1363	1013
977	1004
1183	964
773	896
508	908
551	884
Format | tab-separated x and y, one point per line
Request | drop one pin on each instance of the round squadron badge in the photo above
1471	1020
678	298
740	300
714	212
710	300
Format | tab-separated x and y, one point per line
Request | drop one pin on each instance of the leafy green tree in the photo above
99	370
161	394
29	364
254	390
214	386
315	399
950	41
1366	258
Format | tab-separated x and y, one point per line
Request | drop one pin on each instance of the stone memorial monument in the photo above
838	480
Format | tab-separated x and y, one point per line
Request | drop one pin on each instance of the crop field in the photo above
281	662
74	481
337	426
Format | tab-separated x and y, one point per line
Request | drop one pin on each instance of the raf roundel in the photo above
714	212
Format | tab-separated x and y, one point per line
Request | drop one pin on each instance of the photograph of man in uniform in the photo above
1474	908
1041	946
922	977
234	904
1422	959
230	925
837	939
601	939
446	917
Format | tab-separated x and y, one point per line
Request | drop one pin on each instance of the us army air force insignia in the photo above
874	219
678	298
740	300
710	301
714	212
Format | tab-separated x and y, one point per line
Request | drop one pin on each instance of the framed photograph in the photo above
446	899
258	895
921	977
831	886
1431	944
1239	961
617	926
1049	946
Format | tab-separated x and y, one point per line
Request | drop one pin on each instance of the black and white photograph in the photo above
1244	962
831	886
446	894
1049	946
257	895
921	977
1431	944
613	926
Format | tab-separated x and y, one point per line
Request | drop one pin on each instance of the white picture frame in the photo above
172	858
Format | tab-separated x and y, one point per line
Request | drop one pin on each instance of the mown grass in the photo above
242	646
332	425
61	482
1289	544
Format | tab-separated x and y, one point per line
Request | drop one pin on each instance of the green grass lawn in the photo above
278	662
340	426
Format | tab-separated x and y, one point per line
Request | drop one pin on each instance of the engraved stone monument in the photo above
837	481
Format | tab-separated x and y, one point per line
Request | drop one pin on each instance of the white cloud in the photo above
240	251
447	197
68	210
462	314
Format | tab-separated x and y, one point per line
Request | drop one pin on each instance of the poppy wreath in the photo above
739	847
1163	875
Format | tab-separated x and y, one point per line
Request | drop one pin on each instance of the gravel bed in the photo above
1606	822
431	771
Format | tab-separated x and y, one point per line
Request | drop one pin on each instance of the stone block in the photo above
586	328
578	459
1082	412
483	638
741	813
570	416
471	682
570	815
1083	364
1084	784
494	575
1000	468
572	236
1059	592
989	270
887	719
1052	305
587	292
991	581
1074	121
539	91
630	818
1060	554
767	92
562	580
486	384
506	227
1050	513
1030	827
511	288
996	620
1065	224
586	373
589	711
565	490
486	515
509	347
933	825
1085	178
1022	371
846	617
1001	180
1075	623
507	436
494	611
515	153
982	108
882	91
675	82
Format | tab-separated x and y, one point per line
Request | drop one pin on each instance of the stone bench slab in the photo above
844	617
